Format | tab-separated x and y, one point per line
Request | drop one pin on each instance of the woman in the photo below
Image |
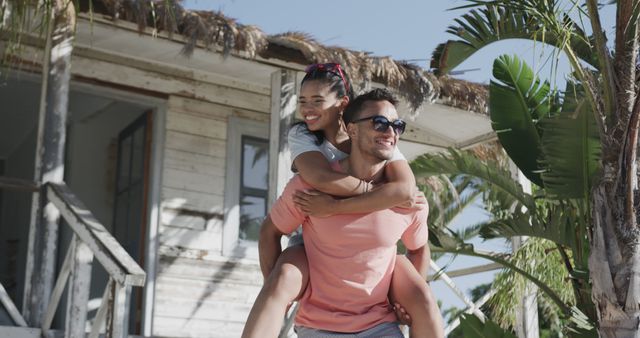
320	139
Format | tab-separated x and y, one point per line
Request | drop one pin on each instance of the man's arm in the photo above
269	246
420	259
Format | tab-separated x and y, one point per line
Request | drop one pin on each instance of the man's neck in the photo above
364	167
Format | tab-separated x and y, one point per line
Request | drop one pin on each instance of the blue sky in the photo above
404	30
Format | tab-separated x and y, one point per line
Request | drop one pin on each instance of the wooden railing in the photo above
90	239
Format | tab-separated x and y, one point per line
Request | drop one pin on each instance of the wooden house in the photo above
176	158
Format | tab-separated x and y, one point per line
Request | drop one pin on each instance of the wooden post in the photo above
527	311
49	164
78	294
118	315
283	107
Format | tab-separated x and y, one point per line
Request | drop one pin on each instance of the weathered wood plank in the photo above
192	219
283	107
18	184
6	301
179	179
195	144
61	282
101	314
199	108
170	70
197	309
118	314
128	76
79	286
166	287
184	327
195	163
212	271
113	257
193	200
191	239
196	125
250	115
19	332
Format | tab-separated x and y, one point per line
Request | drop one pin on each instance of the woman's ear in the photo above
344	102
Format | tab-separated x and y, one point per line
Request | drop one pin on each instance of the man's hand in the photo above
314	203
418	202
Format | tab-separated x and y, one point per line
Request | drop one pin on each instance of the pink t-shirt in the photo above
351	259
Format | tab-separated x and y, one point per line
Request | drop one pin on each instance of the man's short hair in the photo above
354	108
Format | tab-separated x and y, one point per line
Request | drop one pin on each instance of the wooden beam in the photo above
118	314
449	283
101	315
474	269
78	294
283	107
18	184
417	134
61	282
527	310
6	301
107	250
480	139
50	158
475	306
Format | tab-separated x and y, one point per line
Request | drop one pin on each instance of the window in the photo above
246	186
254	186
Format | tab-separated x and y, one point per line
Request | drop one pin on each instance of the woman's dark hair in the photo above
339	83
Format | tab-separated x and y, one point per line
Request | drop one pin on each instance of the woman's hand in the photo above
314	203
418	202
401	314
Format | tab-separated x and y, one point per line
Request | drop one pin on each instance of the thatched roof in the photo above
215	31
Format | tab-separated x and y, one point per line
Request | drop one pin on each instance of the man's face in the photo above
379	144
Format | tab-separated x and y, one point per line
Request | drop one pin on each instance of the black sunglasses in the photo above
381	124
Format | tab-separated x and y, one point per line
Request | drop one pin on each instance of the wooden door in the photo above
130	201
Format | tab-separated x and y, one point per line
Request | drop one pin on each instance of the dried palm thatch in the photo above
214	31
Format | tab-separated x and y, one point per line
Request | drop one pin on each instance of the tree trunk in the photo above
43	230
614	261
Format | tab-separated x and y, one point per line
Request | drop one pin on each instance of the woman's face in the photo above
319	106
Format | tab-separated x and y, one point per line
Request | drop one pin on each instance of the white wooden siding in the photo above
199	293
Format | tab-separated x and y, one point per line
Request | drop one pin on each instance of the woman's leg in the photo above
286	283
412	292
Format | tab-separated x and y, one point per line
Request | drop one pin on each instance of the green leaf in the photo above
496	22
554	224
473	327
517	99
463	163
571	147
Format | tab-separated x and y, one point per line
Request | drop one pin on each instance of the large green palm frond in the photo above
502	20
552	221
517	100
464	163
571	147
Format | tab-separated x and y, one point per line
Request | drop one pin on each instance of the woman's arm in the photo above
316	170
399	189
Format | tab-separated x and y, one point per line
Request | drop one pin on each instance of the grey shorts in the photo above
384	330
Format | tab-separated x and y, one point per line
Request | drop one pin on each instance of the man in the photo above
351	256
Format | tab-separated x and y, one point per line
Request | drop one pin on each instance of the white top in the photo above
301	141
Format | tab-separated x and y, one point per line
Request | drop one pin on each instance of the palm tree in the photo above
605	93
558	253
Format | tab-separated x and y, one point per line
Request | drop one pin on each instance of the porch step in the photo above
29	332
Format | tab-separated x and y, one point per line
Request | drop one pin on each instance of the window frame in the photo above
237	128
